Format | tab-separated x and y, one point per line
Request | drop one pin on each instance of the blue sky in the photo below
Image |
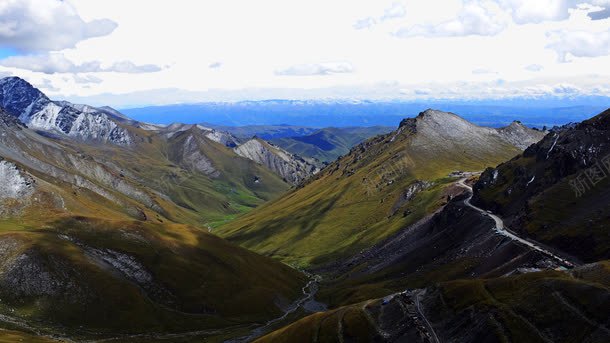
189	51
5	52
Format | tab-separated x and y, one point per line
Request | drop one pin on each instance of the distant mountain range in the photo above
341	113
326	145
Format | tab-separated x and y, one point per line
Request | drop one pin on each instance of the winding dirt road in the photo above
501	228
423	316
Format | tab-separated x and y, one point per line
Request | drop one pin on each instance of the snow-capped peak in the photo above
33	108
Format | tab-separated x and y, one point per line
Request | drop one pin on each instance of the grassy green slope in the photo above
359	199
112	241
10	336
89	277
536	307
205	199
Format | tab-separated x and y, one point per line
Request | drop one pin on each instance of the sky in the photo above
130	53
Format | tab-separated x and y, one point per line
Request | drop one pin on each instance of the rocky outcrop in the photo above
520	135
15	184
217	136
194	158
292	168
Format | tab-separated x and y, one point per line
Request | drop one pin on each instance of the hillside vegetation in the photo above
382	185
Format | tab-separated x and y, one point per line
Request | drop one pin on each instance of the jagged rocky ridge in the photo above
98	125
557	190
33	108
451	129
292	168
217	136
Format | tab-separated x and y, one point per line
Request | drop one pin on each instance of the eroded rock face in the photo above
15	184
27	277
194	157
214	135
292	168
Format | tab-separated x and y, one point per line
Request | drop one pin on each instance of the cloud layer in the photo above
46	25
310	69
57	63
489	18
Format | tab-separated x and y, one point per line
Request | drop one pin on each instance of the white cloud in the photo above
46	25
215	65
365	23
579	44
132	68
534	67
57	63
537	11
86	79
395	11
482	18
311	32
489	17
326	68
47	84
482	71
533	12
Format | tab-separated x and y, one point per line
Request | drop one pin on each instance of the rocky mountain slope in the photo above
111	240
99	125
465	274
232	185
548	306
556	192
457	242
33	108
381	186
292	168
217	136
